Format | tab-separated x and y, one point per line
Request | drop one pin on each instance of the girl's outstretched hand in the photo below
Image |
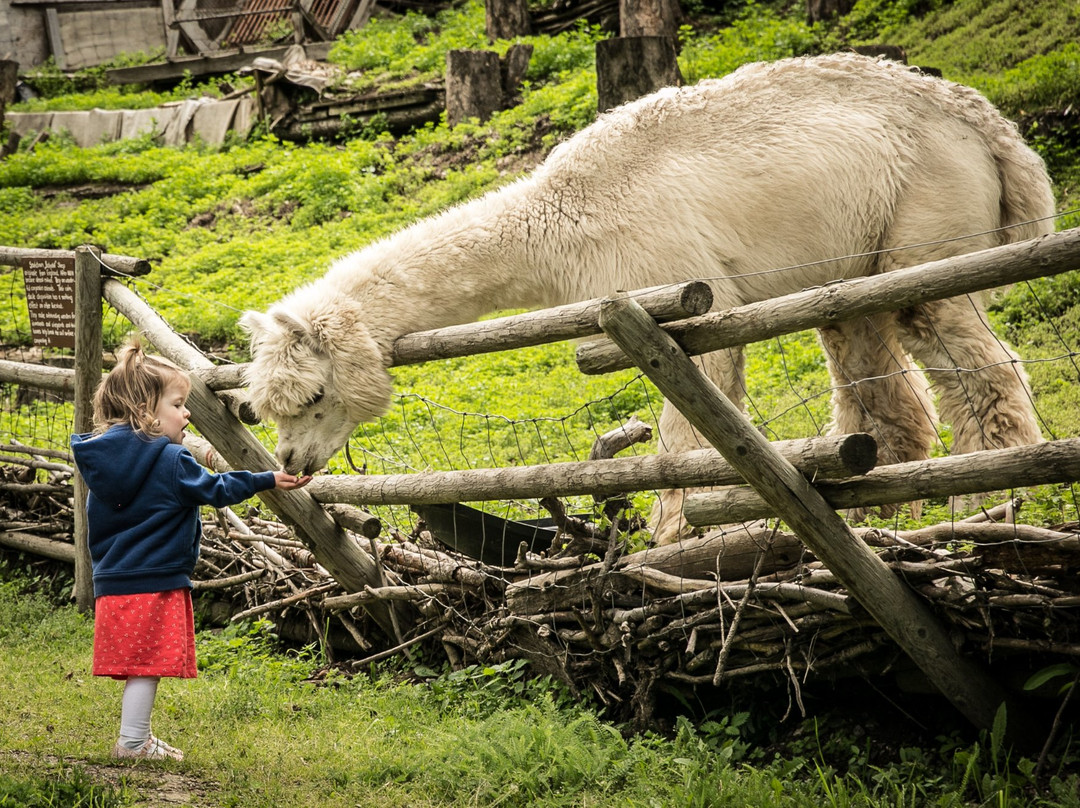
290	481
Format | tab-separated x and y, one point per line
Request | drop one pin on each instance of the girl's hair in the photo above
130	392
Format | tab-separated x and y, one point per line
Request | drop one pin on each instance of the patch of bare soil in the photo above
93	190
154	785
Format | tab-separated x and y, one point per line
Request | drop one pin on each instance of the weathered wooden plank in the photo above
847	300
221	62
906	619
989	470
830	456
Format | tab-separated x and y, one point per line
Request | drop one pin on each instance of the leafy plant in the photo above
479	691
74	788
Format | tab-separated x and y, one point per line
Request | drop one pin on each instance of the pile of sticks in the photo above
711	610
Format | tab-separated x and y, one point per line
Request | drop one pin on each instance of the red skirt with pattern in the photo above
149	634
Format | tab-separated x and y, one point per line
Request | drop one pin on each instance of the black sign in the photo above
50	298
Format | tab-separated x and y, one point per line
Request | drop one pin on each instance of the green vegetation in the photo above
259	730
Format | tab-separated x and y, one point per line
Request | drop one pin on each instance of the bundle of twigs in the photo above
35	500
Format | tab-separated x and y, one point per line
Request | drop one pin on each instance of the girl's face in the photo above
172	413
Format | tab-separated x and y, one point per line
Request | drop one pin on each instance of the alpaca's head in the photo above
317	373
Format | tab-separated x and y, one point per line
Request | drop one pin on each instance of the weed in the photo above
64	789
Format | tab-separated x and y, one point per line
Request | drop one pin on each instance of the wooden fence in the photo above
655	330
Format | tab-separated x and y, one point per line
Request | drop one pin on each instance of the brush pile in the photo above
709	611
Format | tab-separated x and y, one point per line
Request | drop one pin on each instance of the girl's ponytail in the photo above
130	393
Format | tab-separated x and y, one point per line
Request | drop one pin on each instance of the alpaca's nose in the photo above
284	457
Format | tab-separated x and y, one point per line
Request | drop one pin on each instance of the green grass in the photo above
258	732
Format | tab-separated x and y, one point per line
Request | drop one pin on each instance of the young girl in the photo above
144	532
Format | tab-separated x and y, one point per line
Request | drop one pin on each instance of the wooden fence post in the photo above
87	377
895	608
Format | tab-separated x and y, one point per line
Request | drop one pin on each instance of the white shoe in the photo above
153	749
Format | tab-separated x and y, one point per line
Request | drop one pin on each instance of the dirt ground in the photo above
155	785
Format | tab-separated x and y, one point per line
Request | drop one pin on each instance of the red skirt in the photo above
150	634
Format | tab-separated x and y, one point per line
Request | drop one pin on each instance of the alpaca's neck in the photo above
452	268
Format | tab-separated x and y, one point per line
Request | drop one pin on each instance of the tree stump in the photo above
478	83
473	85
506	19
630	67
9	75
894	52
512	68
649	18
817	10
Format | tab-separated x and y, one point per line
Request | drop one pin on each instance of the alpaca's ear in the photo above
289	324
253	323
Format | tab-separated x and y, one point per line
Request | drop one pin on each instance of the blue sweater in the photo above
143	508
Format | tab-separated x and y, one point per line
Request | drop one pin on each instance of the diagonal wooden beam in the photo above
345	559
903	616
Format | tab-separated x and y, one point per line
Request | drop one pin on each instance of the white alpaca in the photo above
778	165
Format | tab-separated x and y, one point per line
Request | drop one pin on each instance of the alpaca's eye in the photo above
315	399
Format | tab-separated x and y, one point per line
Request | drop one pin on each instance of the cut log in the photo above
506	19
653	18
513	68
38	545
630	67
820	10
473	85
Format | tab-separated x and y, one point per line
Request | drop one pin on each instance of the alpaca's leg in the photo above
982	389
877	389
725	369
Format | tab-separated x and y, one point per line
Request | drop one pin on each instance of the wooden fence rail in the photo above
849	300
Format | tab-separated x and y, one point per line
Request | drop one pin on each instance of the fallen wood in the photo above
992	470
39	545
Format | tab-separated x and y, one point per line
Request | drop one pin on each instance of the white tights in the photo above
139	693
